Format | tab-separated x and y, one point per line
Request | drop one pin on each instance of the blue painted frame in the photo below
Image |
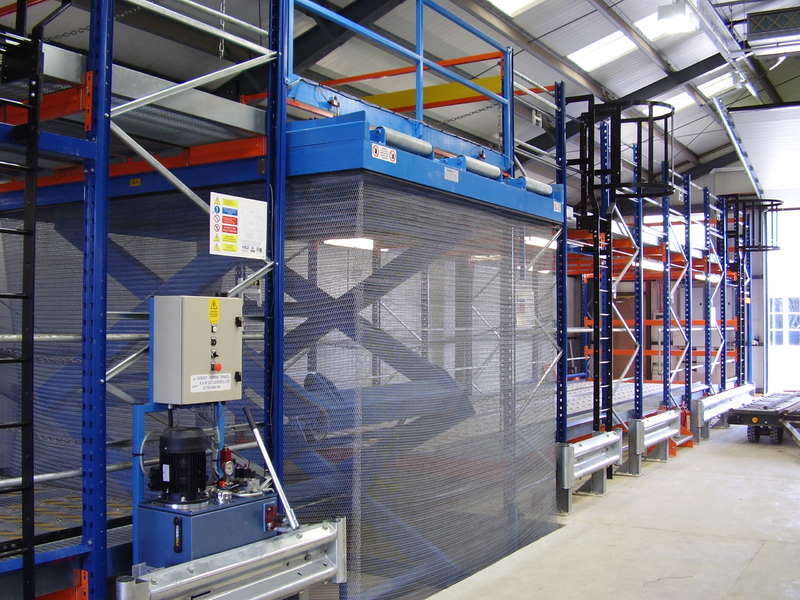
666	299
562	323
94	302
638	298
722	252
688	371
281	29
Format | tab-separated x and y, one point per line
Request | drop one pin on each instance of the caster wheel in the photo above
753	434
776	435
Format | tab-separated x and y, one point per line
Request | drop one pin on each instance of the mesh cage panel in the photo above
158	245
419	387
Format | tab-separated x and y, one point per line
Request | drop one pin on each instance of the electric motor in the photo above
181	476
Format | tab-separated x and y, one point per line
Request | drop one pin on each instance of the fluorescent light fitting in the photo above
539	242
772	50
514	7
357	243
677	17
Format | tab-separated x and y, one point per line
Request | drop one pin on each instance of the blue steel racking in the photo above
93	149
688	327
98	188
95	273
683	260
561	270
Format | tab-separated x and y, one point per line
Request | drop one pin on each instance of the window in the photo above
784	321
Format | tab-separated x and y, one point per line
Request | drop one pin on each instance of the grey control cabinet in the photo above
196	349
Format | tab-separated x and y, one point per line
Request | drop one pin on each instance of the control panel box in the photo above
196	349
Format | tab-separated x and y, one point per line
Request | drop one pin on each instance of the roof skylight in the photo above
680	101
717	86
709	89
514	7
616	45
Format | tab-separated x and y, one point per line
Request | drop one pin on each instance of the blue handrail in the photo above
505	100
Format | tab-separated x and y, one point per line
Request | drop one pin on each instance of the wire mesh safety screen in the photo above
157	245
419	378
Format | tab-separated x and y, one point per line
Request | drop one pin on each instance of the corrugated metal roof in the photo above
548	18
629	73
578	33
563	26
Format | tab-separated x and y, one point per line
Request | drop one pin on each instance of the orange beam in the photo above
54	106
199	155
80	591
10	9
631	352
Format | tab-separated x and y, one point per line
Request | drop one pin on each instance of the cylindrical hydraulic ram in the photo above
537	187
473	165
406	142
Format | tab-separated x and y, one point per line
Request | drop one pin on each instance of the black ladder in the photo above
21	68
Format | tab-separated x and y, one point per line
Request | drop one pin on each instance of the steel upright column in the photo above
94	301
666	299
638	293
280	28
603	268
722	252
707	296
687	290
561	270
748	304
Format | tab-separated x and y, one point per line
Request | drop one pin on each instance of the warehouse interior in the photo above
355	299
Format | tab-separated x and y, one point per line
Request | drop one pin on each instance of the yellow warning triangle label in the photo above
216	247
216	239
216	200
213	310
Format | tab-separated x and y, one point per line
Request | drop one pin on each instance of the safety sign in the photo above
238	226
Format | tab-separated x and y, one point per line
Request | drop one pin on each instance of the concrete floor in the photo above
720	521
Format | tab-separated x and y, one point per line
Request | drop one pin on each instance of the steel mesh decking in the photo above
419	391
